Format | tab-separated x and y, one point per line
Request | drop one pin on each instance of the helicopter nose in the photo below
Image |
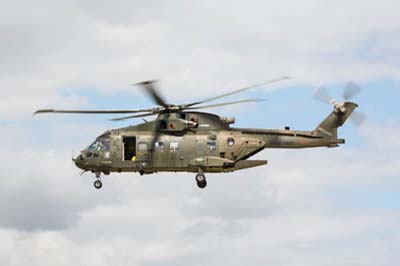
78	160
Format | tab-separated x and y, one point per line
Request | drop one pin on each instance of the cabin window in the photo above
212	145
174	146
159	146
231	142
142	146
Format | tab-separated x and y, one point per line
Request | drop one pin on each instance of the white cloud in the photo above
282	213
205	46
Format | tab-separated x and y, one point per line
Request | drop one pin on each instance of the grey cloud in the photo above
44	199
232	198
203	229
41	189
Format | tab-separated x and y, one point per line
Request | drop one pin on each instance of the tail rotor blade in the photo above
323	95
350	91
358	118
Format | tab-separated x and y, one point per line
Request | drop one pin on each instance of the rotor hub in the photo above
339	107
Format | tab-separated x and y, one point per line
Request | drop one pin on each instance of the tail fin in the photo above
328	127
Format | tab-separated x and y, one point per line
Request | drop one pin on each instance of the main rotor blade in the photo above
350	91
151	89
323	95
42	111
358	118
132	116
227	103
237	91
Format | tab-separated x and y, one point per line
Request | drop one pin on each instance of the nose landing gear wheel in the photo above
98	184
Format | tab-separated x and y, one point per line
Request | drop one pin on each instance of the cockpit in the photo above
102	143
100	148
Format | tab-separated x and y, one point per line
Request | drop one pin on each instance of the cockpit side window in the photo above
106	143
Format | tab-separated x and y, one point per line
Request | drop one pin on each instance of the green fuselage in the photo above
191	141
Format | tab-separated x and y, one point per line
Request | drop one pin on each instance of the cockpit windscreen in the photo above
101	143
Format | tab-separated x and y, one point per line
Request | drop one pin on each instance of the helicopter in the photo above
183	139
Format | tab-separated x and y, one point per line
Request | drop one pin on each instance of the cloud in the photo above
301	209
208	47
38	181
51	179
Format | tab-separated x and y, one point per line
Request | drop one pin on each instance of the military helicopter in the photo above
183	139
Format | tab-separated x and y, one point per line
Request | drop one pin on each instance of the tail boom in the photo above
328	127
325	135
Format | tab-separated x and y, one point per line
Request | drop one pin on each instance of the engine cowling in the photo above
176	125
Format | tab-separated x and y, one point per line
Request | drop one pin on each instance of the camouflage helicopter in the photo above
182	139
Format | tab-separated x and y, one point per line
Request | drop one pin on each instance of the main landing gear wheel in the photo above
98	184
202	184
201	180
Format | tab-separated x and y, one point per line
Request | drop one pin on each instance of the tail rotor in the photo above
351	90
358	118
323	95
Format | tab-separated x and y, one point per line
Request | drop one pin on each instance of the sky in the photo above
306	207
